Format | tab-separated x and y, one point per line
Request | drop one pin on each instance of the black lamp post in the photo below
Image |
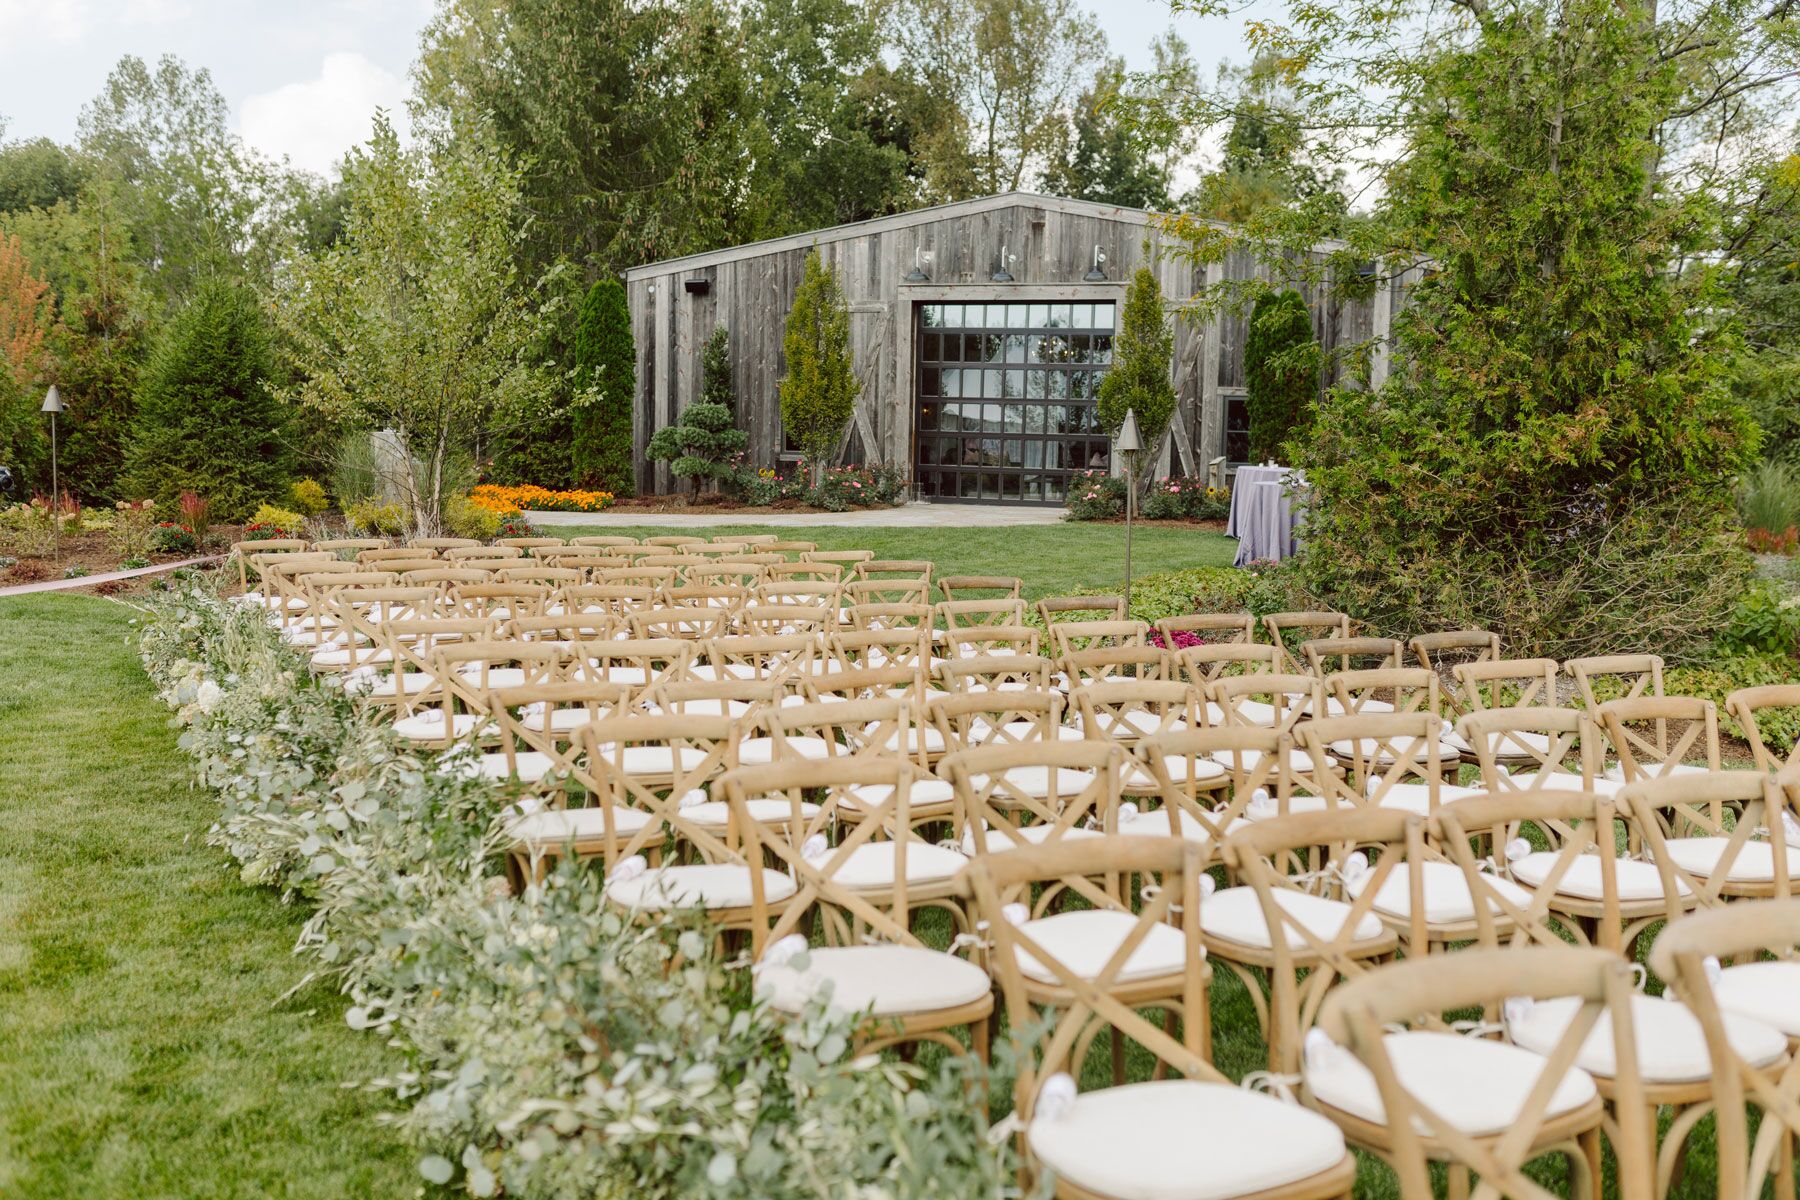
1127	444
53	404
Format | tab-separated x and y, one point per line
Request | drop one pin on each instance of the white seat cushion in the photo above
1616	772
1520	744
714	672
710	886
1447	898
412	681
1236	915
344	657
1083	941
1020	731
881	980
527	765
1375	750
1155	823
716	814
559	720
1416	797
1569	781
1032	835
1180	1139
1177	765
1268	810
558	825
1034	782
495	677
1754	863
650	760
1637	880
1671	1047
1766	991
871	865
428	726
758	750
702	708
926	793
932	736
1477	1085
1298	760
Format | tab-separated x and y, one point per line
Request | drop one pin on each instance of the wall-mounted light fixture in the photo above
1006	260
1095	274
921	258
697	287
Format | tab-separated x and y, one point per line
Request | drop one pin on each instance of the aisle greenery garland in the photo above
555	1048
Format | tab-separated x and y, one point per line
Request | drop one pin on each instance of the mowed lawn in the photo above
144	1047
1051	559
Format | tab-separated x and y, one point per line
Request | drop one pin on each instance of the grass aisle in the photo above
142	1052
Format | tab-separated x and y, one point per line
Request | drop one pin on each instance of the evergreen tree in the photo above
1281	371
716	386
606	365
1139	378
819	390
206	419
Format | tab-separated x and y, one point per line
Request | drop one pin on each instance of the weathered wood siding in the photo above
1049	246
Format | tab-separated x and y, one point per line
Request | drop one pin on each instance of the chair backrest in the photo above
1733	817
500	599
675	539
617	600
960	587
1385	689
726	596
1127	711
864	683
1106	664
442	543
542	718
1637	674
1053	609
444	577
1187	763
459	553
1372	759
1505	683
1100	998
771	619
689	753
738	699
528	543
1444	651
1326	655
362	611
784	658
873	568
1537	743
1273	701
1746	705
744	576
1066	637
639	663
886	590
995	717
997	672
888	616
683	621
872	728
974	613
848	558
818	572
603	540
1287	630
384	552
854	649
567	629
539	573
986	641
1357	1016
1205	629
1653	736
1058	787
1204	664
1687	956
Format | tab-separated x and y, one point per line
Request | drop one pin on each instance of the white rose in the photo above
208	696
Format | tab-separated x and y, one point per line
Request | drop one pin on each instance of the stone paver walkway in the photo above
916	516
65	585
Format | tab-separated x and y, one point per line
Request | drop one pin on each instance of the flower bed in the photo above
555	1048
496	498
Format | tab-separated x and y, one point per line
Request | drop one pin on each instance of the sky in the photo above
303	77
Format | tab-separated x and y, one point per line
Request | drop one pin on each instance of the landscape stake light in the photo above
53	404
1128	443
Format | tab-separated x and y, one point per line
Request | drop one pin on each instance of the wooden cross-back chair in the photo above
1428	1094
996	673
1125	710
674	540
1054	609
1653	736
1287	700
1283	934
877	727
275	548
785	546
746	577
1620	676
406	676
988	641
808	593
477	550
401	561
862	893
458	704
603	540
855	649
359	613
639	576
1214	629
386	553
350	546
615	600
1506	683
1326	655
1447	649
1243	764
284	585
565	629
1021	793
650	770
535	726
1204	664
1537	743
1379	760
635	553
728	598
847	558
886	590
1066	637
1380	690
784	659
773	619
1746	704
1286	630
638	663
695	623
444	578
441	544
1115	664
864	683
739	699
529	543
805	572
895	568
555	577
887	616
500	600
1156	1137
322	625
702	550
1716	837
957	588
979	613
1688	956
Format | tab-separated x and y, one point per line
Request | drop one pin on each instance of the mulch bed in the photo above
93	551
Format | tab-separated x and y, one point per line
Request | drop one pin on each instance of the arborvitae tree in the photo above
606	360
533	445
206	420
1139	378
704	442
818	393
716	385
1281	371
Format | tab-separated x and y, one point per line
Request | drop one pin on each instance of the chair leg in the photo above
1587	1183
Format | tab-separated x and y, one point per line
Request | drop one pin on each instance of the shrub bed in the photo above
496	498
555	1049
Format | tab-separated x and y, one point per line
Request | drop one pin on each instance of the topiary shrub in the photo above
606	364
705	444
206	420
819	390
1281	371
1139	377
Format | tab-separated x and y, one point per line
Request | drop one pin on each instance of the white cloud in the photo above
314	122
25	21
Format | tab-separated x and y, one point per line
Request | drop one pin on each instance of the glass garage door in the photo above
1005	397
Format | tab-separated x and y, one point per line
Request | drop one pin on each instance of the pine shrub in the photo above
606	361
1139	377
1281	371
206	420
818	393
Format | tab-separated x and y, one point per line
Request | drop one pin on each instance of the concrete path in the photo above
69	585
938	516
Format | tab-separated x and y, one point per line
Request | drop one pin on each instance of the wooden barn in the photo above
980	331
